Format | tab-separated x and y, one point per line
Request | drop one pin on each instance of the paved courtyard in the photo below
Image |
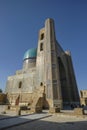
54	122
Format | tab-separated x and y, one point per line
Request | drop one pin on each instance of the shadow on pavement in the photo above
51	122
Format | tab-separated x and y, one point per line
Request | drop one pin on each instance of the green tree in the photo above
0	90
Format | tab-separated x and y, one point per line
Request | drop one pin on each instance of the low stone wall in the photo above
3	108
36	109
54	110
78	111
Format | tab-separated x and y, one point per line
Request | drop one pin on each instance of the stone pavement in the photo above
18	120
55	122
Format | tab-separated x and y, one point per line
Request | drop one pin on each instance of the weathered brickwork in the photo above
48	66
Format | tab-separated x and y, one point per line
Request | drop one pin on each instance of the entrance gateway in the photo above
47	79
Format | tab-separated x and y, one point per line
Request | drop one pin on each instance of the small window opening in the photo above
20	84
42	36
41	84
41	47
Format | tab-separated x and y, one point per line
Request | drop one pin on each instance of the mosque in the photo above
47	77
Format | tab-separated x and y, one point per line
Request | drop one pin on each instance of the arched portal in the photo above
63	80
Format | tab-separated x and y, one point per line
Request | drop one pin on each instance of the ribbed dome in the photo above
31	53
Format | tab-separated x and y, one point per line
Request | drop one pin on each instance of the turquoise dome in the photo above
31	53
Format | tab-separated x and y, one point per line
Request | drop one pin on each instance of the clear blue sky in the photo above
20	21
